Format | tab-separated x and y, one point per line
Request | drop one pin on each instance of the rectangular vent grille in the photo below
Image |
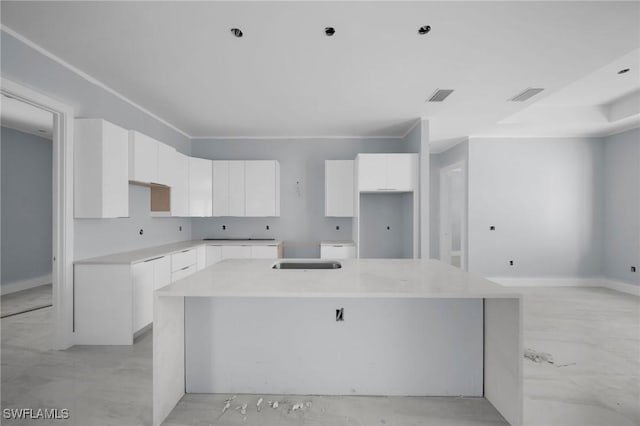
527	94
440	95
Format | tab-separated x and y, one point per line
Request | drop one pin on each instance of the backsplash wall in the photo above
302	224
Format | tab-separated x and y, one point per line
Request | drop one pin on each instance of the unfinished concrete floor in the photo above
592	334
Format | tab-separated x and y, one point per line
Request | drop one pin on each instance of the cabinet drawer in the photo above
264	252
337	251
182	259
184	272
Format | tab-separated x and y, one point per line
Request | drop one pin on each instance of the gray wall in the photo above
545	197
26	205
302	224
386	224
455	154
622	206
26	66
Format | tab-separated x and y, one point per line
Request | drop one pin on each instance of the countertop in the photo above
141	255
370	278
337	243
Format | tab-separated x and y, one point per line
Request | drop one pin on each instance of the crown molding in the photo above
89	78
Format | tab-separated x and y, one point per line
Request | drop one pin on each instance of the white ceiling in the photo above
286	78
26	118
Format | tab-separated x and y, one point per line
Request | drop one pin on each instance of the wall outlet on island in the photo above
340	314
633	269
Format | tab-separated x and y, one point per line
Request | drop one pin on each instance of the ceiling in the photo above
286	78
26	118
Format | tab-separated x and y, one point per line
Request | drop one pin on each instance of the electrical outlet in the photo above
492	228
267	227
511	263
141	231
340	314
337	227
633	269
224	227
180	228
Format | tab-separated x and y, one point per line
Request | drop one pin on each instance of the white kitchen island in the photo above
410	327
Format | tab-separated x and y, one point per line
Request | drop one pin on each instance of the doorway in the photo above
26	142
453	215
61	253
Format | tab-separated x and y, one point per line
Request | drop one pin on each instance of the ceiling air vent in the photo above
527	94
440	95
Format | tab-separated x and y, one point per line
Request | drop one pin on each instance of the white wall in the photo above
545	198
26	206
622	207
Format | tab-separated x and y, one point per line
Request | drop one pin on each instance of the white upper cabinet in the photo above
166	164
228	188
143	158
262	188
338	188
200	187
180	185
220	188
101	170
236	188
387	172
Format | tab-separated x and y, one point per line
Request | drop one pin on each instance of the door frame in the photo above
444	247
62	250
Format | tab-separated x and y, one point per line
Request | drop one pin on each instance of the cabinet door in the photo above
236	188
213	255
142	280
101	167
143	158
166	164
180	186
372	172
162	272
339	191
236	252
264	252
200	187
260	188
201	258
401	171
220	188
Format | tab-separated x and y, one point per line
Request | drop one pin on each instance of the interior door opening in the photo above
453	216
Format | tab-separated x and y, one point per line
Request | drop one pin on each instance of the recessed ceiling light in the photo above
424	29
329	31
236	32
626	70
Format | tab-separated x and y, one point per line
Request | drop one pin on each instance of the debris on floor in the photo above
565	365
538	357
227	403
273	404
258	404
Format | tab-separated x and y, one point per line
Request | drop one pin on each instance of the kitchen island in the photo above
371	327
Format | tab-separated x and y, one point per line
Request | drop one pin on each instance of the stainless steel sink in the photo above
307	264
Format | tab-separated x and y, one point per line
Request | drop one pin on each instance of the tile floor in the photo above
592	334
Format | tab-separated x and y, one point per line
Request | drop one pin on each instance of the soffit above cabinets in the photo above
286	78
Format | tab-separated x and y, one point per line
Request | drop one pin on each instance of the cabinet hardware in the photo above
155	258
186	267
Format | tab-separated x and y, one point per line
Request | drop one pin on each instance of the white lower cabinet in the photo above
213	255
146	277
236	252
264	252
337	251
184	263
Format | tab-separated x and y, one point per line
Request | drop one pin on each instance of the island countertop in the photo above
370	278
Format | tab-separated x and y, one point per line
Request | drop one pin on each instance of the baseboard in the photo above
24	284
568	282
621	286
